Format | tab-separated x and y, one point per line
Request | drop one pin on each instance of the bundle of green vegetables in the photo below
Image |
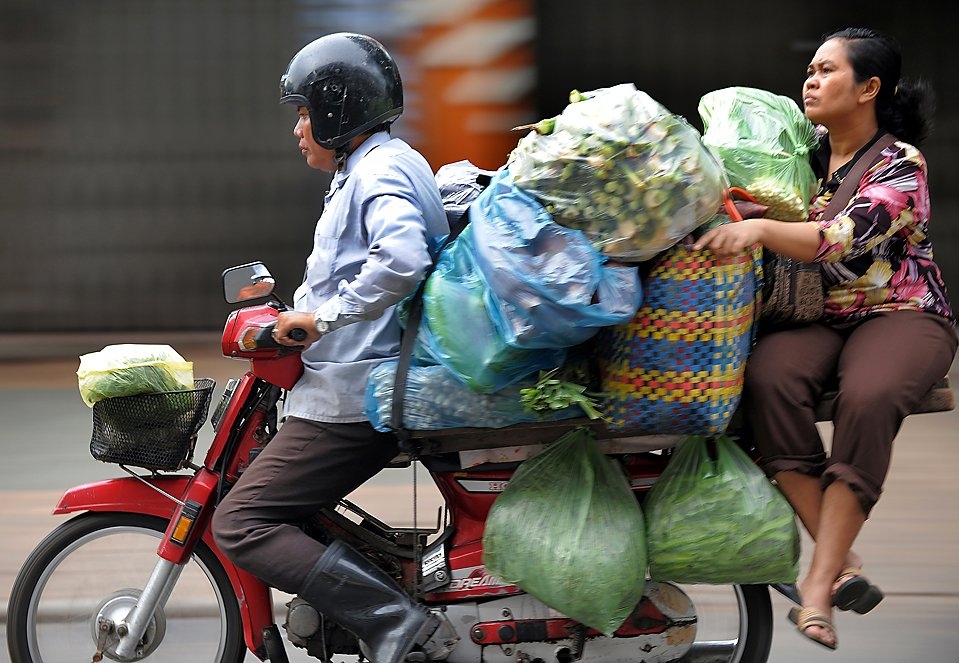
713	517
130	369
764	141
619	166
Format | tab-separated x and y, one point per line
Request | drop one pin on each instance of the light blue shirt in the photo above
370	250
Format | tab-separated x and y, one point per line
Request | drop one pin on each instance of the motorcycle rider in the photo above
370	251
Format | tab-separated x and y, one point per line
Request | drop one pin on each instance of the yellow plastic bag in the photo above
129	369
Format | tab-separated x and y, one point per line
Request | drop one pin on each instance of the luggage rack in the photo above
449	440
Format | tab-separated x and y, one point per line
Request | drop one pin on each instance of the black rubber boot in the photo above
352	591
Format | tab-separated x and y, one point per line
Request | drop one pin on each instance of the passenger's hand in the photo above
732	239
290	320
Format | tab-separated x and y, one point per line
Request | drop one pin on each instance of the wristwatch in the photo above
322	326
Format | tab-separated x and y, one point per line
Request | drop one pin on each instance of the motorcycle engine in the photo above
308	629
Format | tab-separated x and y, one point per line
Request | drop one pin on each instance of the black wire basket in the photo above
155	431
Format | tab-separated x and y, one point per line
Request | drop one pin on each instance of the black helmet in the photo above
347	82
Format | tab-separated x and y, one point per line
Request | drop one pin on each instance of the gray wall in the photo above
142	149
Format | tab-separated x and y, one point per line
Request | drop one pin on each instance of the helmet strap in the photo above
339	156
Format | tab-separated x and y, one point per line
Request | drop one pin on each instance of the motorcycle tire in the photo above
96	563
745	637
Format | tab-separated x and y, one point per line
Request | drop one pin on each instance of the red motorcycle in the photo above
136	575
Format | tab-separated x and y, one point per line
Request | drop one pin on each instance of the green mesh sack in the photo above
569	531
714	518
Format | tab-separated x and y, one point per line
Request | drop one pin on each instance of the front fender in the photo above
130	495
125	494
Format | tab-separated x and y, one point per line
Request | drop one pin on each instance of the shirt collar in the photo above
361	151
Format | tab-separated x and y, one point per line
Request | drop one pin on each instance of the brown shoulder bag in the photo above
793	291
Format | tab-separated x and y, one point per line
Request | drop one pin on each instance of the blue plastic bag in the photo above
549	286
457	329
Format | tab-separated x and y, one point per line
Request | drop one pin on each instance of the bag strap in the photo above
405	359
850	183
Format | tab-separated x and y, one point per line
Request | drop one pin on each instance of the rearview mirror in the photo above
245	282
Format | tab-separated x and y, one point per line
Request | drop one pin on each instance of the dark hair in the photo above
904	107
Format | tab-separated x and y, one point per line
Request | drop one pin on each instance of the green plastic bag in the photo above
715	518
764	141
569	531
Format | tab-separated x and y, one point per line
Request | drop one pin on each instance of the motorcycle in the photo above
136	575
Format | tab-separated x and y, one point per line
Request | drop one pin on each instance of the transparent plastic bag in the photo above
619	166
713	517
458	332
550	287
436	399
569	531
129	369
764	141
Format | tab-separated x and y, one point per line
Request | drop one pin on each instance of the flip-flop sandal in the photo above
856	593
804	618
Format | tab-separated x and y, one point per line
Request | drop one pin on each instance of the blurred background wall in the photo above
142	148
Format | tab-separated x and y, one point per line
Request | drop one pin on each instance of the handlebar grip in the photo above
297	334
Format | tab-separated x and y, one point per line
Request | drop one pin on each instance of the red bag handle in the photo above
729	202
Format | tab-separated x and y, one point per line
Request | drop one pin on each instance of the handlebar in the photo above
264	337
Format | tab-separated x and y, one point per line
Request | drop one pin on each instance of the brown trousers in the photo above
307	466
882	368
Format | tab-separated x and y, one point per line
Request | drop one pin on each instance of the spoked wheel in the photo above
734	624
94	567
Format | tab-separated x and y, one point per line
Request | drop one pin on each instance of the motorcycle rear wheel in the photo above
96	563
735	624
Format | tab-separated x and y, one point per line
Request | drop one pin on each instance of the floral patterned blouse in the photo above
876	255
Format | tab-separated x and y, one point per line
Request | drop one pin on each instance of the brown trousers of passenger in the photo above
882	367
306	467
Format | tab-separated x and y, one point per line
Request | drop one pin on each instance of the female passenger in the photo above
887	334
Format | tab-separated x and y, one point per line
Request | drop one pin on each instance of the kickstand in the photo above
275	651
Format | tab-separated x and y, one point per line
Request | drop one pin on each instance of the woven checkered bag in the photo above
677	366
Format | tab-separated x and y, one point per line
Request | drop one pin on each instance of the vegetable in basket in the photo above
129	369
619	166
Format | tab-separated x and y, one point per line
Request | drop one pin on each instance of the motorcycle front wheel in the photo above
95	565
